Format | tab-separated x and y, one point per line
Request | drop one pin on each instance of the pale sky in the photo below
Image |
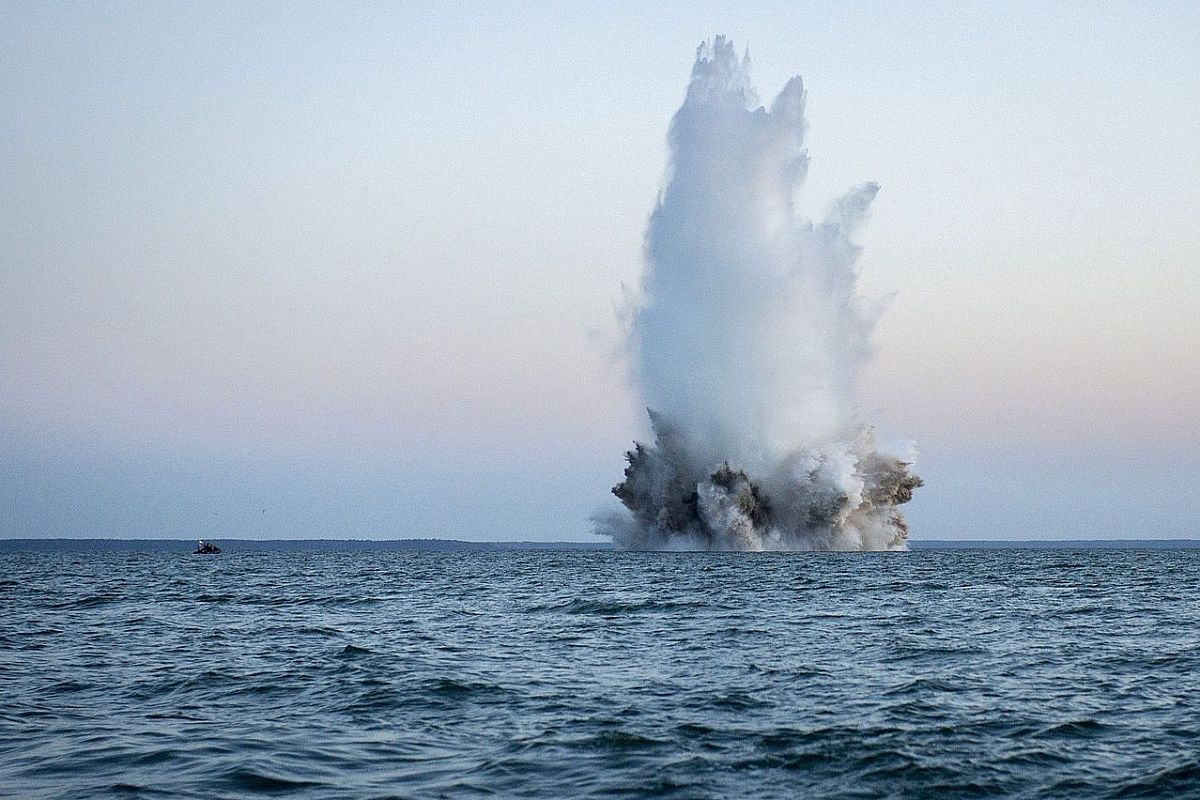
348	270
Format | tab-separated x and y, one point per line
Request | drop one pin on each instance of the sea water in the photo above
942	673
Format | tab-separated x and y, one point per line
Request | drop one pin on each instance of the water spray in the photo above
748	342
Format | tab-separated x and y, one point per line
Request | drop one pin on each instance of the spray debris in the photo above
749	340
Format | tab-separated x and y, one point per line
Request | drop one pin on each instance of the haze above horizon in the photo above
272	271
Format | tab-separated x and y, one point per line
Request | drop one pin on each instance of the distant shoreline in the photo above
384	545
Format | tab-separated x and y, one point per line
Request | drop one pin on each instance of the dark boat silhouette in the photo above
204	548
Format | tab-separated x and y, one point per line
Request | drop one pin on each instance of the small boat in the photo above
204	548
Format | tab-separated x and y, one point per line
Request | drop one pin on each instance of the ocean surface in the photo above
934	673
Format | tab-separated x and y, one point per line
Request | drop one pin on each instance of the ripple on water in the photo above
556	674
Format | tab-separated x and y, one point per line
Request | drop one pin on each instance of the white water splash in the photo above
749	340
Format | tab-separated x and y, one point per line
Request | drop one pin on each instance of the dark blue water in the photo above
552	674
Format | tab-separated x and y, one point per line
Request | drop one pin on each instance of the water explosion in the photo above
749	340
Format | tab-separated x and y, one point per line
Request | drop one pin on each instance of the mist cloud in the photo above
748	342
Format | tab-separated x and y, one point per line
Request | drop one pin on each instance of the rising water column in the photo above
748	343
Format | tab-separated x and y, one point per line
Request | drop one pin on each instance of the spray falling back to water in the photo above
749	341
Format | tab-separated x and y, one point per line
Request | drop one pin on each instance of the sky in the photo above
350	270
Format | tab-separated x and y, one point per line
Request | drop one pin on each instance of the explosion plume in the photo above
748	343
